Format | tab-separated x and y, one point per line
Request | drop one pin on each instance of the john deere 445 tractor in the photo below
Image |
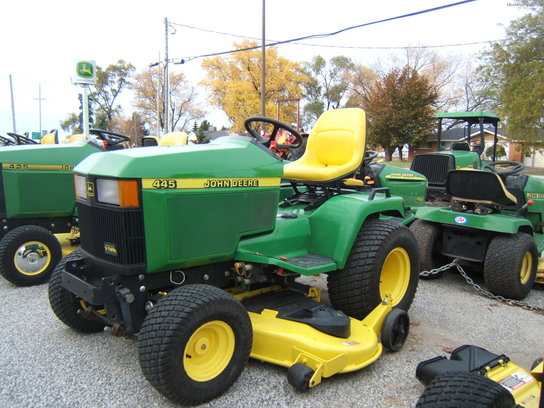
37	201
197	249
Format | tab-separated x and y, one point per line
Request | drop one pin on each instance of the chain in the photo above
437	271
479	289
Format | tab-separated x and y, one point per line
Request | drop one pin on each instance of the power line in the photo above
357	47
182	60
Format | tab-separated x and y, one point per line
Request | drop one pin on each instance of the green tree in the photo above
514	74
400	109
110	83
235	83
72	124
327	86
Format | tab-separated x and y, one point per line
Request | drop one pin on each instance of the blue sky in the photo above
41	40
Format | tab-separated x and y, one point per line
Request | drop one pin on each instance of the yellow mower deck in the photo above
285	343
524	386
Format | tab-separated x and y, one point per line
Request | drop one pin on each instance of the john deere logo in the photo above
85	69
90	189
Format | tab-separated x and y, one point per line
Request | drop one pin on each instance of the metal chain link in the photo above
437	271
479	289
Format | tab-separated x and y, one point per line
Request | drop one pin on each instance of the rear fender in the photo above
335	224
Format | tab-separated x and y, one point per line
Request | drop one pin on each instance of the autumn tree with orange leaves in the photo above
400	109
234	84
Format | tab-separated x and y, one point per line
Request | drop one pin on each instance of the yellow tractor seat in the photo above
174	139
73	138
50	138
335	148
478	186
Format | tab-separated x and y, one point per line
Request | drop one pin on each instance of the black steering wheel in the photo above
515	167
299	141
21	140
6	142
369	156
111	138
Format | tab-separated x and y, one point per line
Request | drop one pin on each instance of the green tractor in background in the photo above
435	166
37	201
494	220
493	224
199	249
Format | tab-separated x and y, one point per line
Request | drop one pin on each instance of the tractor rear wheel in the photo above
467	390
429	237
66	305
195	343
28	255
510	265
383	261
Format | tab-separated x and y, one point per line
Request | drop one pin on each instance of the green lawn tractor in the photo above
436	165
37	201
197	250
475	378
493	224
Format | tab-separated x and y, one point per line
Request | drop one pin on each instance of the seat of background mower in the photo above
173	139
335	148
479	186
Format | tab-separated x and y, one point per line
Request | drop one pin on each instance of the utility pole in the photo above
166	90
263	64
12	104
40	99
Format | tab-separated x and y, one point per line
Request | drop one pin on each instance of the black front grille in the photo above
115	235
435	167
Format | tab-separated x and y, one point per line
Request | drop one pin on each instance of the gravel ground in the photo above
45	364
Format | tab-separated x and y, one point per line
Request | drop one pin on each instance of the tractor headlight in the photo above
123	193
80	186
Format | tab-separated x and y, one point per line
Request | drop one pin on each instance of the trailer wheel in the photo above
66	305
299	376
28	255
510	265
428	237
383	261
195	343
395	329
467	390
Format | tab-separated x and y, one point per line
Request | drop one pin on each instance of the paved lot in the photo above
45	364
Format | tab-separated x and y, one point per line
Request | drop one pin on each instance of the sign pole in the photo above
85	105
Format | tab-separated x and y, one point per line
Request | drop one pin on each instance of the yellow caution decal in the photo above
178	183
404	176
42	167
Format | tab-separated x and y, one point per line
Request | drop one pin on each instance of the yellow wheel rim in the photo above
526	268
209	351
32	258
395	276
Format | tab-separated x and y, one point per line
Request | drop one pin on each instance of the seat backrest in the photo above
173	139
150	141
335	147
461	146
480	187
74	138
50	138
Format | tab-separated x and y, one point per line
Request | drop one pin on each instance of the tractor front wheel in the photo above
195	343
383	261
66	305
429	240
510	265
28	255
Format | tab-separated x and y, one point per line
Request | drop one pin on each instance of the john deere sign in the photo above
85	73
